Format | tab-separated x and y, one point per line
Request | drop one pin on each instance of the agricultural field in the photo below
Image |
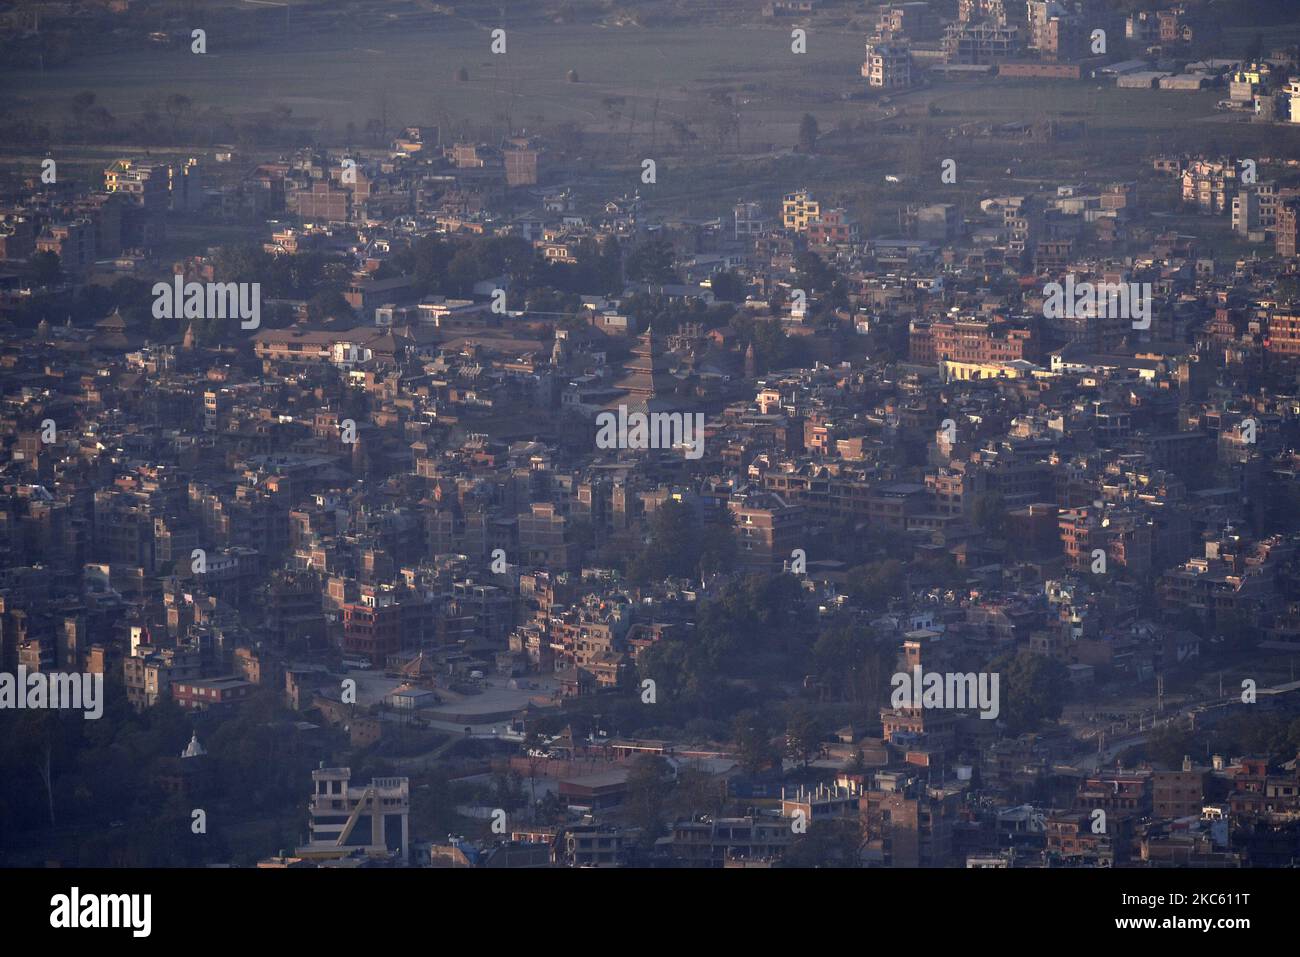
413	76
618	81
715	107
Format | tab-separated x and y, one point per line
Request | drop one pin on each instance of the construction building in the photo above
371	819
980	43
888	65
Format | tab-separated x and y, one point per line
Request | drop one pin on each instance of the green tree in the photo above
773	349
177	105
675	545
1255	49
82	104
728	286
328	304
808	133
1233	624
46	269
508	791
652	262
1032	688
849	664
697	792
1258	733
464	271
875	583
1168	745
803	734
433	805
664	663
754	748
648	788
828	843
813	275
718	548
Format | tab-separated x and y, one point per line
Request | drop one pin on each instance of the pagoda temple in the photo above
647	384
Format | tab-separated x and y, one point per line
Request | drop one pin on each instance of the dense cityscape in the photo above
884	459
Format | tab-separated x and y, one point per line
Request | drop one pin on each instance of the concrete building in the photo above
147	184
73	242
211	694
768	529
980	43
915	21
888	65
909	827
371	819
1245	213
715	842
1288	228
798	209
749	220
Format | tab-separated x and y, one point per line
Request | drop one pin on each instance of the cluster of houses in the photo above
395	517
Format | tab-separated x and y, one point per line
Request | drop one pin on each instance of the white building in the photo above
373	819
1245	213
1292	94
749	220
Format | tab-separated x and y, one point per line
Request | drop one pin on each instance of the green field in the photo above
635	89
632	83
335	79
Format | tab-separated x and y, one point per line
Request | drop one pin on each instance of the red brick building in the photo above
971	340
1288	221
374	631
207	694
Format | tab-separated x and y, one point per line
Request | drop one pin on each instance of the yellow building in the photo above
147	184
954	370
799	209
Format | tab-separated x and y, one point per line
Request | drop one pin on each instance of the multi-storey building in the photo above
74	244
1211	185
749	220
1283	334
1180	793
833	228
147	184
980	43
1245	213
373	628
211	694
971	340
713	842
542	535
888	65
915	21
346	818
150	672
976	11
522	158
767	529
798	210
1287	236
824	492
909	828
